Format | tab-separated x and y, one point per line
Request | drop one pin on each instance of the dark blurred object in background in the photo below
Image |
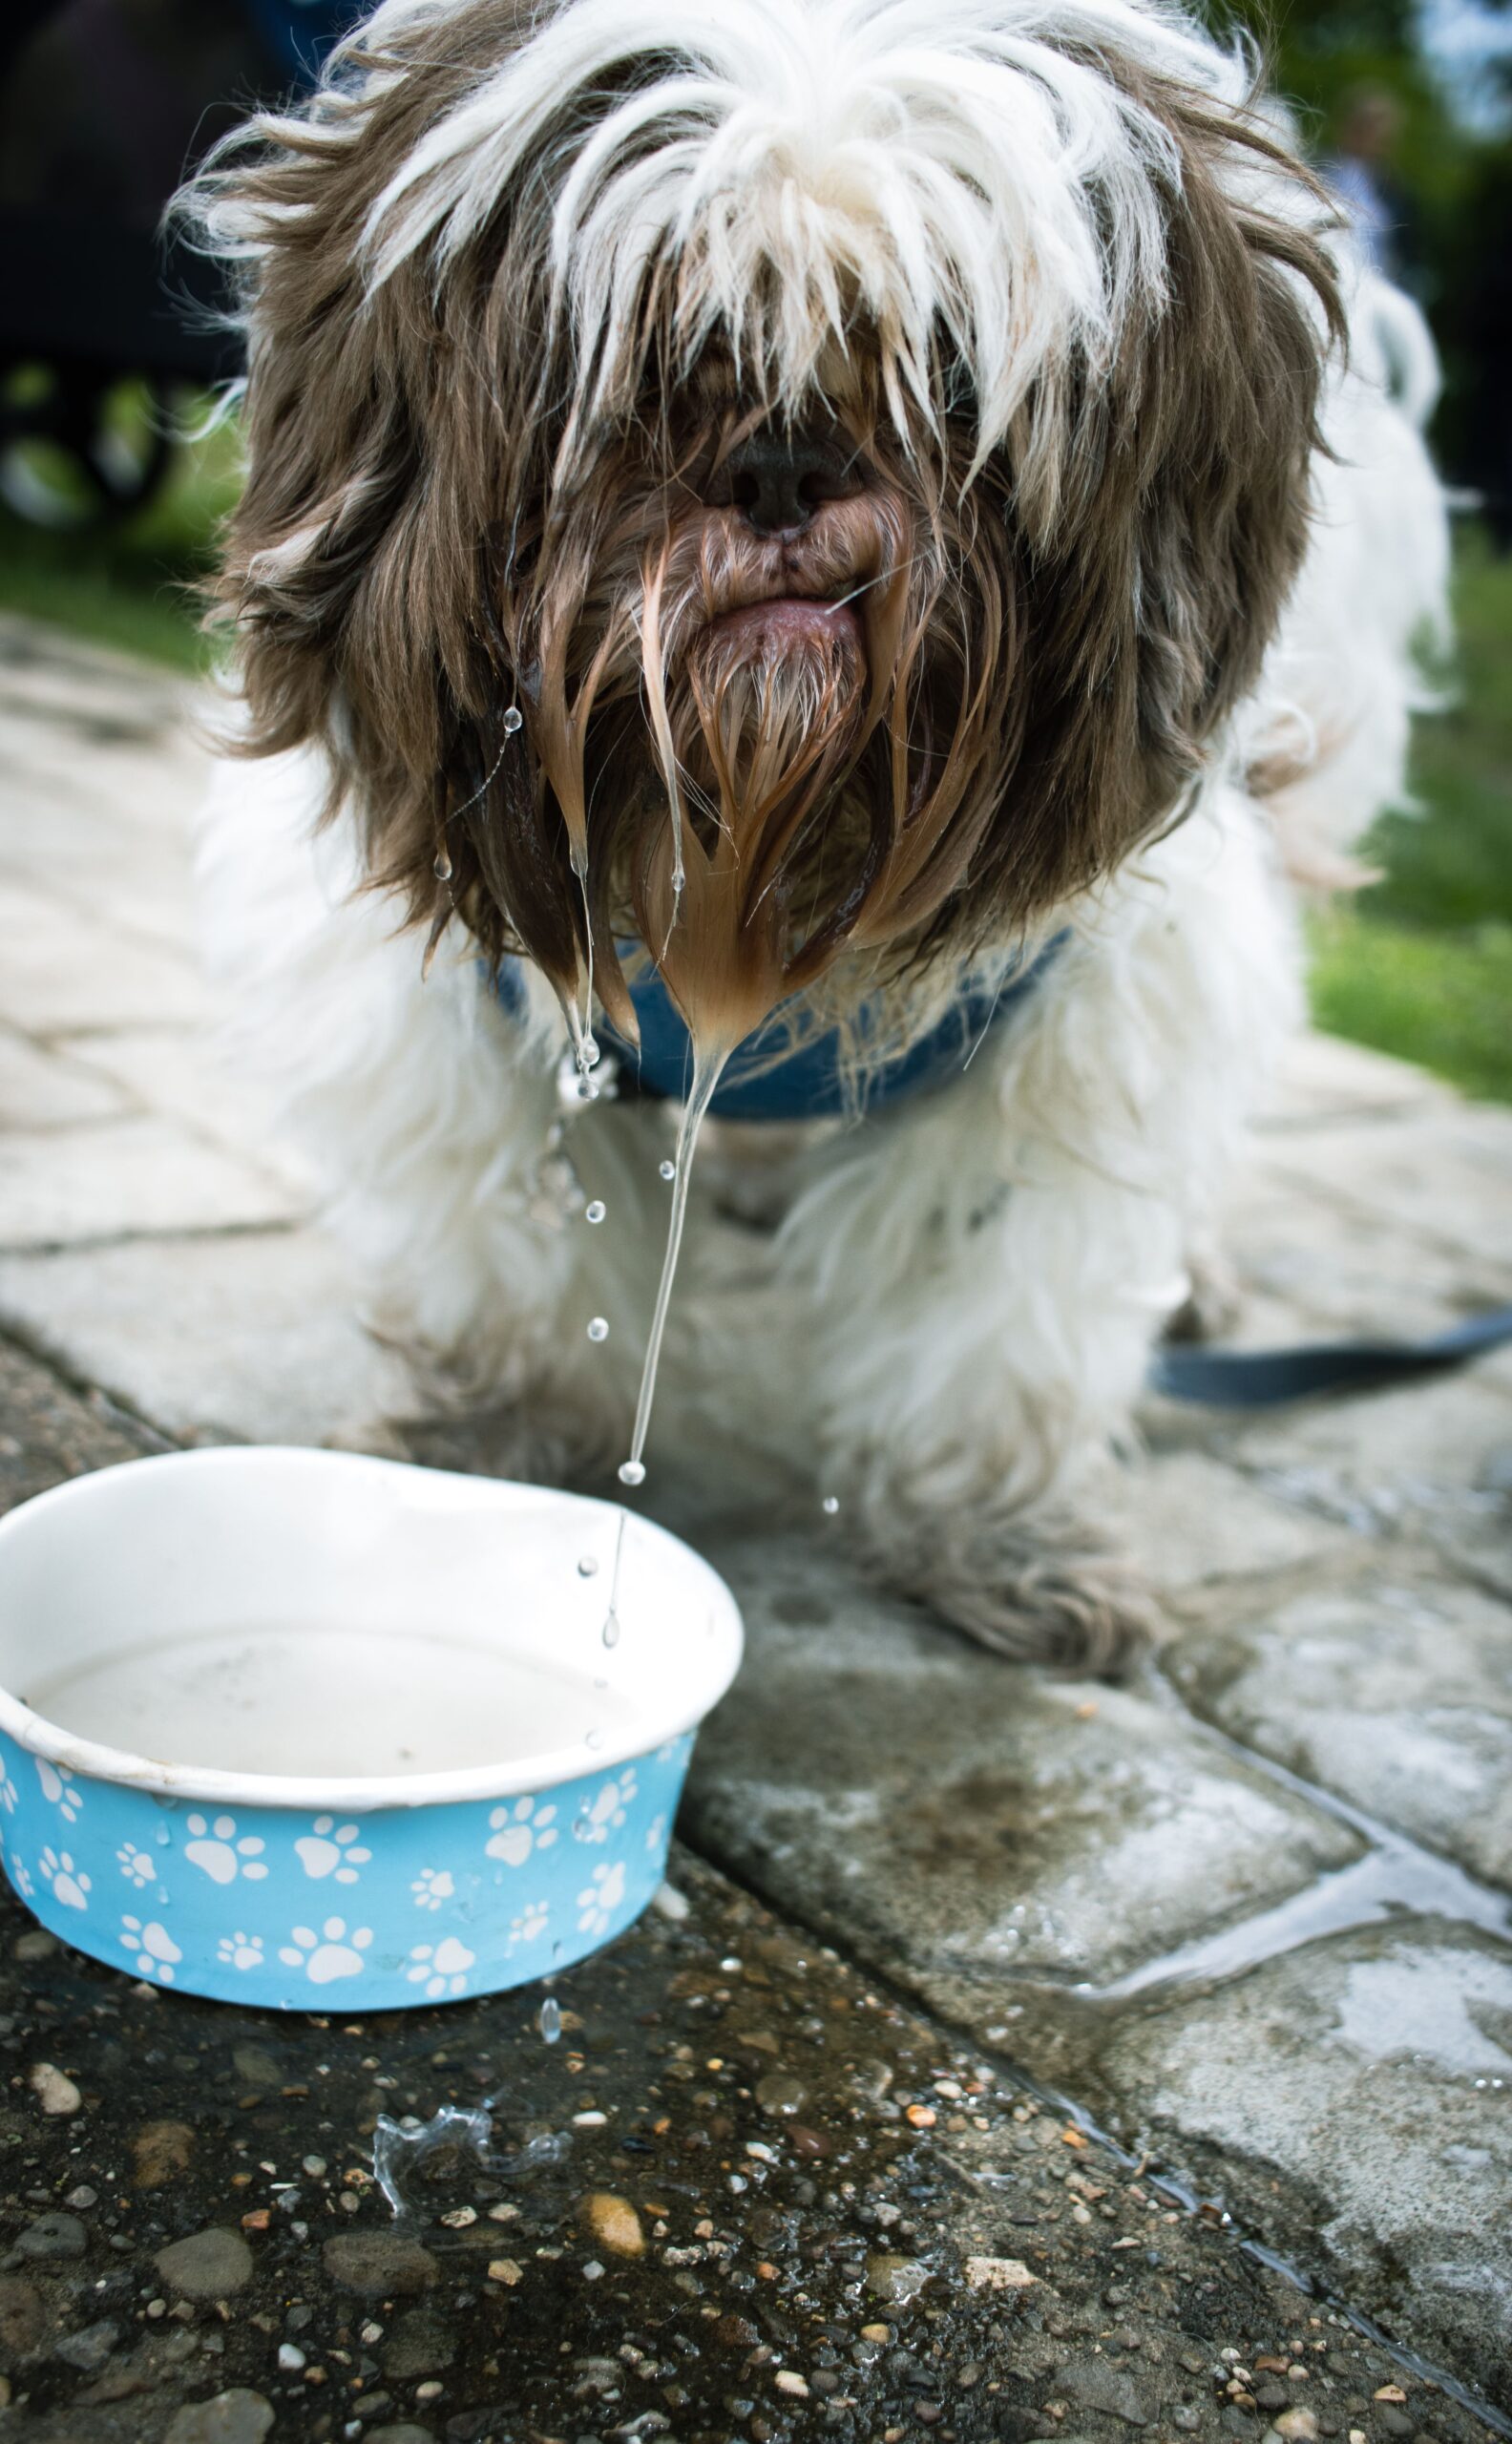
103	106
1359	170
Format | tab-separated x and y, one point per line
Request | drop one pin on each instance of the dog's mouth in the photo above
784	624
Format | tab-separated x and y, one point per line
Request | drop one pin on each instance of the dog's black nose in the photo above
777	480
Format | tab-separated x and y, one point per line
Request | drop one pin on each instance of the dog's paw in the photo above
1059	1599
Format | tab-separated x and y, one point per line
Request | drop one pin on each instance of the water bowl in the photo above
302	1729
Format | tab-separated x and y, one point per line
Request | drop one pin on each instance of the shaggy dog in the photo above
882	527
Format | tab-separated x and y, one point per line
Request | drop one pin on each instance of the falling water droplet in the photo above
588	1566
592	1738
632	1472
514	720
830	1505
550	2022
587	1091
597	1210
582	1825
442	869
667	1169
599	1329
611	1629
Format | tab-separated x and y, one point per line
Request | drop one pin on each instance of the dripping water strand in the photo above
611	1627
707	1070
512	721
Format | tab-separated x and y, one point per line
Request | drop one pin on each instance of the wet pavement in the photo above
743	2193
1250	1913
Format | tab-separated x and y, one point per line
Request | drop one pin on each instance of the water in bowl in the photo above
322	1700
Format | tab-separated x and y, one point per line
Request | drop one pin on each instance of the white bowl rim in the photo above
351	1795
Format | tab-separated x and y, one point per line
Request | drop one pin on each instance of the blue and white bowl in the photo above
302	1729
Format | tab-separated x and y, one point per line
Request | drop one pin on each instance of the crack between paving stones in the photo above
107	1241
109	1405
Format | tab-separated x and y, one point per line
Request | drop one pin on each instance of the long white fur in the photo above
956	1313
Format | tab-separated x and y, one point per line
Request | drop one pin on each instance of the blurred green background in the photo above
1420	962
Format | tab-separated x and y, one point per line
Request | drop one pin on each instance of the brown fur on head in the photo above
1055	565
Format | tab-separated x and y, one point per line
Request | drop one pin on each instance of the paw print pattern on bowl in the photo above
606	1810
518	1830
71	1886
332	1849
155	1952
20	1877
327	1956
598	1903
431	1886
137	1866
656	1834
240	1952
59	1790
442	1967
10	1796
220	1855
531	1923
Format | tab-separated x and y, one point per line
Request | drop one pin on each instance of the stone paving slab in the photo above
1395	1692
127	1178
247	1337
44	1090
960	1819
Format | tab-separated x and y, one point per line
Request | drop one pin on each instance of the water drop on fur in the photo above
597	1210
442	869
667	1169
514	720
632	1472
549	2021
831	1505
599	1329
588	1566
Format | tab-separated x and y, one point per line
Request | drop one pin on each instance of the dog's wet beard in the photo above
751	755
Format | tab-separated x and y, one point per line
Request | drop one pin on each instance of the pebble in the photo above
614	2223
52	2237
419	2345
406	2432
382	2264
1297	2426
90	2348
82	2199
160	2150
238	2416
779	2093
507	2270
999	2274
209	2266
53	2090
1096	2384
290	2356
896	2278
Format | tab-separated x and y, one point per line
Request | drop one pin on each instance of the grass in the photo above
1419	965
133	585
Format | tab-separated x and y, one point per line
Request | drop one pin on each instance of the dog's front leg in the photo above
987	1272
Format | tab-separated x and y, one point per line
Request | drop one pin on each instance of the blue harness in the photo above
791	1073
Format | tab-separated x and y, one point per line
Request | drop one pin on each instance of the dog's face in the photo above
867	439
